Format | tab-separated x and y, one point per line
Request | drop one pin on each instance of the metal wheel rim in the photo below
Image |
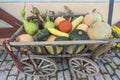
48	69
90	68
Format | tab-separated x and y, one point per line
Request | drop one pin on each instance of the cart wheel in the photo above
37	65
84	66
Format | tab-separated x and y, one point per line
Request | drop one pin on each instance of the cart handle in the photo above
8	49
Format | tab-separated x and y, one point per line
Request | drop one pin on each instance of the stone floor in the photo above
109	70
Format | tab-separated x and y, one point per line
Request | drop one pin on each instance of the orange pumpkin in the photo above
65	26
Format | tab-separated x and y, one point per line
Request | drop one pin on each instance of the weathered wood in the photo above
100	51
8	18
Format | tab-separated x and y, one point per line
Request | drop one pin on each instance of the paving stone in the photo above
109	69
8	57
47	78
1	52
21	76
67	75
29	78
78	75
60	75
60	66
102	67
112	64
118	73
91	78
3	75
53	79
99	77
6	65
118	54
104	61
11	78
73	74
2	57
116	60
65	64
36	78
107	77
115	78
14	70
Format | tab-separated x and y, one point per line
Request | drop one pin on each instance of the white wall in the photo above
14	8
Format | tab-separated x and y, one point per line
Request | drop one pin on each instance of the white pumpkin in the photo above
92	18
99	30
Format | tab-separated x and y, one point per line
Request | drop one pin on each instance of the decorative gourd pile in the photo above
90	26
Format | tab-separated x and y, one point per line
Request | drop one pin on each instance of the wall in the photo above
81	7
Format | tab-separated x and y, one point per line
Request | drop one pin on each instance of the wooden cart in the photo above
44	64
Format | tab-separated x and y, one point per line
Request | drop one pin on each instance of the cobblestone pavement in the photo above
108	70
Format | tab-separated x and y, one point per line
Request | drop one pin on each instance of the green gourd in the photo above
30	27
48	23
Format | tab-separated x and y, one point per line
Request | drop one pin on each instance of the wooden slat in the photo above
8	18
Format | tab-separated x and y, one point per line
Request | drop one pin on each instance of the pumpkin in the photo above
99	30
38	49
83	27
50	48
58	20
41	35
62	38
65	26
71	48
24	38
92	18
77	34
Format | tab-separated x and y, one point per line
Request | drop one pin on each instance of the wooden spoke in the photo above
89	72
28	67
27	71
40	64
81	62
34	63
76	62
73	63
48	69
27	64
92	69
46	66
87	64
40	73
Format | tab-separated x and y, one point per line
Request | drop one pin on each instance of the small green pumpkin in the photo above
78	34
41	35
